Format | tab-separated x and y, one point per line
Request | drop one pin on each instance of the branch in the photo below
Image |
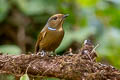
78	66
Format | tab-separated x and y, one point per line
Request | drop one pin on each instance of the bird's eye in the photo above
55	18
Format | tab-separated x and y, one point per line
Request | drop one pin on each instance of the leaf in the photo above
24	77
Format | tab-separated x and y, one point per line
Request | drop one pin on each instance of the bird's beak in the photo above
66	15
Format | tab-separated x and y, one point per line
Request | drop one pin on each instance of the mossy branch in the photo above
78	66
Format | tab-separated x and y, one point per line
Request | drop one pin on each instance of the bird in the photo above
52	34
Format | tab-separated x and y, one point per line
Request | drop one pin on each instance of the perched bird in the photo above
52	34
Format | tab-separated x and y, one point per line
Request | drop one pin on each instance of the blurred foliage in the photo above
97	20
6	77
51	79
4	7
37	7
45	78
10	49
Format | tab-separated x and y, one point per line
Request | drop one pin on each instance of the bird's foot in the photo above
42	53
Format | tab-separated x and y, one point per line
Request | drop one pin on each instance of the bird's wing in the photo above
40	37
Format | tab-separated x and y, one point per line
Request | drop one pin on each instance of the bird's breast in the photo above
51	40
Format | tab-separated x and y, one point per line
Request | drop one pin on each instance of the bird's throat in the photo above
52	29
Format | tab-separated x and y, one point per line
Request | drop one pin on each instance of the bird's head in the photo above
56	20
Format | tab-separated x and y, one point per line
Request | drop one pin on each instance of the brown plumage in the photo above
52	34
